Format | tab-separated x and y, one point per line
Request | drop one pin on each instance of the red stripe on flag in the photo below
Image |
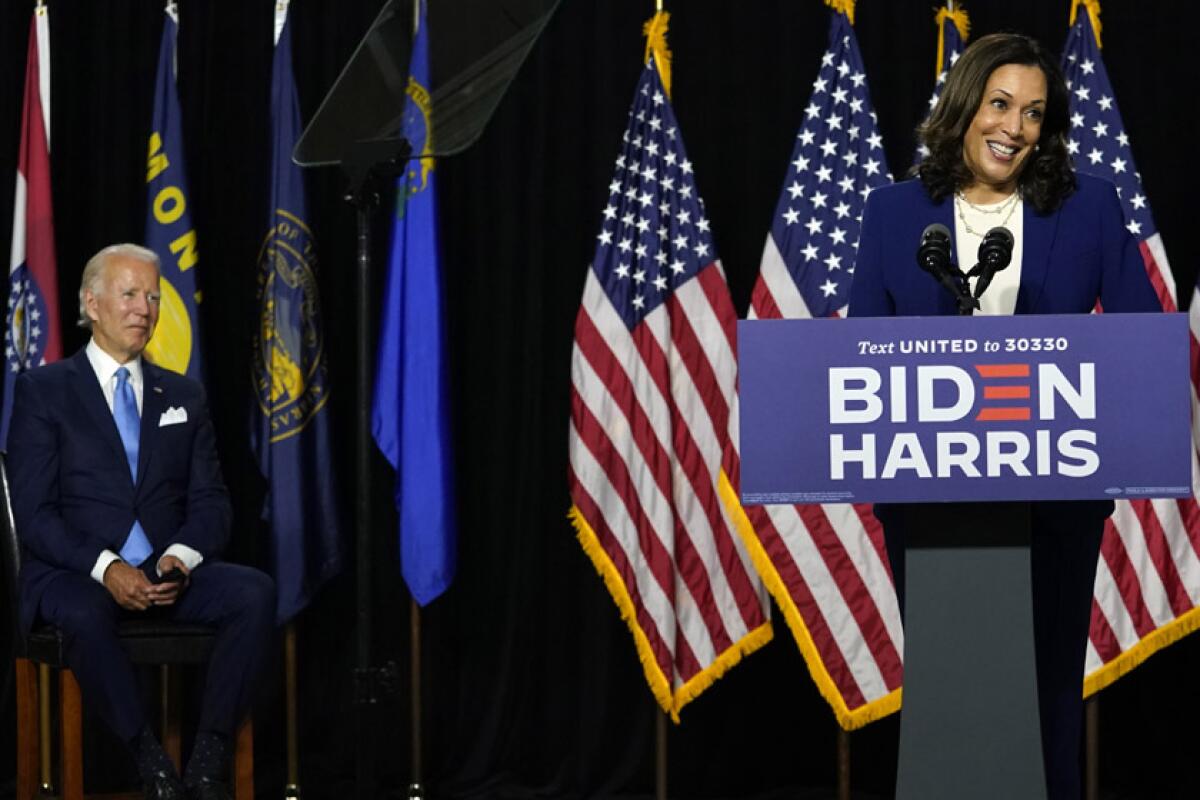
1102	636
1160	555
1113	551
596	439
763	302
874	531
713	284
691	353
818	628
1189	511
593	347
851	586
608	542
686	662
1156	279
690	568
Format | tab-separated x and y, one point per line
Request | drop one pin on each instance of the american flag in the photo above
31	331
826	565
1148	577
653	424
953	26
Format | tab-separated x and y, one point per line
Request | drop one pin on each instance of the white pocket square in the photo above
173	416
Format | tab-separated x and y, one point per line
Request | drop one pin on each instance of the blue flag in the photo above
410	415
169	229
290	429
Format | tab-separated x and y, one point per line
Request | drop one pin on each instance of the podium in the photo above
966	423
970	725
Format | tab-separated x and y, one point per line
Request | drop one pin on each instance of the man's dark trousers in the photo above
238	601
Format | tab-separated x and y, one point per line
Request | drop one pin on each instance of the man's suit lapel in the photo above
154	402
91	399
1038	233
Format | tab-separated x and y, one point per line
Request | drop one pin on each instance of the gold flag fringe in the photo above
849	719
843	7
1093	10
655	31
961	21
670	702
1168	634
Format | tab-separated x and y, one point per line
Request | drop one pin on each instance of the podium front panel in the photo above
913	409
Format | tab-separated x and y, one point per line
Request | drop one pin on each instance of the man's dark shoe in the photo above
207	768
208	789
159	778
164	786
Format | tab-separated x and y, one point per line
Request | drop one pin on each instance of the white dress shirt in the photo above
105	367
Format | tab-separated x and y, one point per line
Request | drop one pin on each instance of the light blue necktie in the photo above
125	411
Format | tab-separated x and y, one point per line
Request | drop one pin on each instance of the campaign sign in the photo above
912	409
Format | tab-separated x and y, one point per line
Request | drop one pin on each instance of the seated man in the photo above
122	512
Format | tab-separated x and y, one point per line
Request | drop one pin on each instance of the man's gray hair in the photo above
93	271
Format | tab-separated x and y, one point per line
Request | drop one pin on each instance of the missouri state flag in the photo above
31	329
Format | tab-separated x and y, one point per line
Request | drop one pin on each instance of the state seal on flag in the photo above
26	309
289	365
415	124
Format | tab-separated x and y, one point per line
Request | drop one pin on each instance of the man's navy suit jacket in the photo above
73	496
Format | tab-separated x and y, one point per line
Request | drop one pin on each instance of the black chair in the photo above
164	644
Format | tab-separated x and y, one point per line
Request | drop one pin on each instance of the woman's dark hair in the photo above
1047	177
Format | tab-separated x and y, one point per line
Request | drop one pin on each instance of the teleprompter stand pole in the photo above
367	165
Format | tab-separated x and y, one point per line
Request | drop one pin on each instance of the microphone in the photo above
933	256
995	253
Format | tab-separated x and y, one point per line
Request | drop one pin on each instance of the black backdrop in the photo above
533	688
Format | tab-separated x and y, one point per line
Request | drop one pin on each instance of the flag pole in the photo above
843	763
660	718
416	789
1091	748
660	739
292	789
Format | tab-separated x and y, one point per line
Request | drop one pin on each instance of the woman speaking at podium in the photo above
998	157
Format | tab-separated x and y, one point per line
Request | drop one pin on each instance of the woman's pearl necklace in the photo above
1007	207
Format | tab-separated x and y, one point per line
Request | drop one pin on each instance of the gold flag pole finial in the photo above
843	7
40	8
655	31
961	22
1093	10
